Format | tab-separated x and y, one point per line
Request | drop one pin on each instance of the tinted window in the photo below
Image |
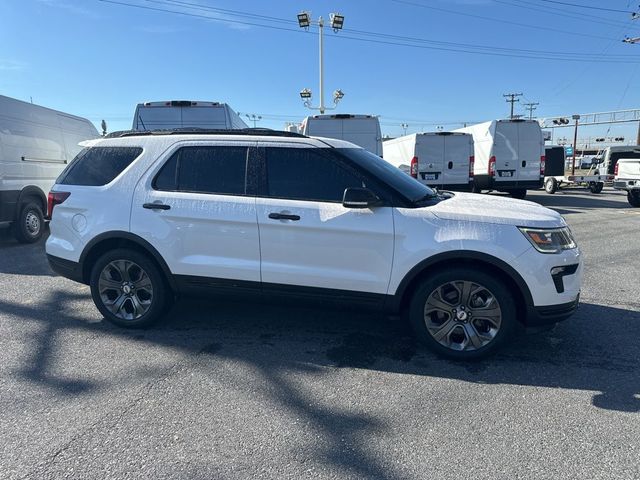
392	176
205	170
302	174
95	166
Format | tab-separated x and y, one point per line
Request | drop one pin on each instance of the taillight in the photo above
55	198
543	161
472	162
615	170
492	167
414	167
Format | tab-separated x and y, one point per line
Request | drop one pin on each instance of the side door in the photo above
430	153
197	209
530	149
457	154
505	149
307	237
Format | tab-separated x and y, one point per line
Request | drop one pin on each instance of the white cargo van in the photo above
363	130
186	114
439	159
509	156
36	143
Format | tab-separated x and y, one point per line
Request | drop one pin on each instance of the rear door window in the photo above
97	166
208	169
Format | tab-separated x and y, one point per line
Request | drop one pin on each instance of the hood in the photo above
501	210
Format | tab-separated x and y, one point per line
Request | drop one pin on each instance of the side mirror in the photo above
355	197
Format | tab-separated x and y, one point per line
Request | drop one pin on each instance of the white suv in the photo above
144	217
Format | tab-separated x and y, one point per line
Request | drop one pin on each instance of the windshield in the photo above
407	186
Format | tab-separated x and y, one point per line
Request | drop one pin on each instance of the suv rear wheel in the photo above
128	288
462	313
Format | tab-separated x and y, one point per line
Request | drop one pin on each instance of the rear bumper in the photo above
625	184
550	314
66	268
485	182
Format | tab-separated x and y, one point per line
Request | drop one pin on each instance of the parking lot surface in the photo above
238	391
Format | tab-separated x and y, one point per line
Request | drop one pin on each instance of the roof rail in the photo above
267	132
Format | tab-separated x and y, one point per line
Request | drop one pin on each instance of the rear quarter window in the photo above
97	166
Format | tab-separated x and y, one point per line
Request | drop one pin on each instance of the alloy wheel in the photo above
462	315
125	289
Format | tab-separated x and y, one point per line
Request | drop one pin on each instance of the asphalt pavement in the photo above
250	391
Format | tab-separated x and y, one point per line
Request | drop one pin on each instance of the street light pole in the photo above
336	22
320	33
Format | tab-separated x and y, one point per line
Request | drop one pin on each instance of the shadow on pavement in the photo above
23	259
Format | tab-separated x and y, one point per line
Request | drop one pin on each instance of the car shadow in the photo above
596	351
23	259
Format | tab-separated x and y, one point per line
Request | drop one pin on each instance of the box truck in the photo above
440	159
186	114
363	130
509	156
36	143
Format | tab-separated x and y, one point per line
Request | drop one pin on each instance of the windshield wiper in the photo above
428	196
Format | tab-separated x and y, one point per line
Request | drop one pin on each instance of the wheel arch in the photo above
32	191
487	263
119	239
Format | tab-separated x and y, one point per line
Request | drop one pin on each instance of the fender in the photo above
32	191
141	242
459	255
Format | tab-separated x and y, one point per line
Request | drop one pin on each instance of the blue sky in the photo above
98	59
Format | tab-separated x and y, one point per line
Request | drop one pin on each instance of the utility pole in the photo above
638	139
575	144
404	127
511	98
531	107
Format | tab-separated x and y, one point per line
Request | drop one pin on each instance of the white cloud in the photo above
73	8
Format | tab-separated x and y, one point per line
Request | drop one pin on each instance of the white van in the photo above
36	143
439	159
363	130
186	114
509	156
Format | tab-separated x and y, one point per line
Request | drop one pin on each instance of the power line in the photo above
450	47
604	9
375	34
562	13
501	21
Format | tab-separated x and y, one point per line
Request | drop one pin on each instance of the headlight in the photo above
549	240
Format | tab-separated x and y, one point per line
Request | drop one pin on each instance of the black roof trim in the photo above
265	132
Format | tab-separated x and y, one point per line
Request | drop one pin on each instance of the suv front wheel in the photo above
462	313
128	288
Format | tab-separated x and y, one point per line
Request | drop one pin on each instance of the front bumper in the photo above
550	314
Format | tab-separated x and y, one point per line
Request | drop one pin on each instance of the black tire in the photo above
550	185
441	282
596	187
139	306
29	224
633	197
519	193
